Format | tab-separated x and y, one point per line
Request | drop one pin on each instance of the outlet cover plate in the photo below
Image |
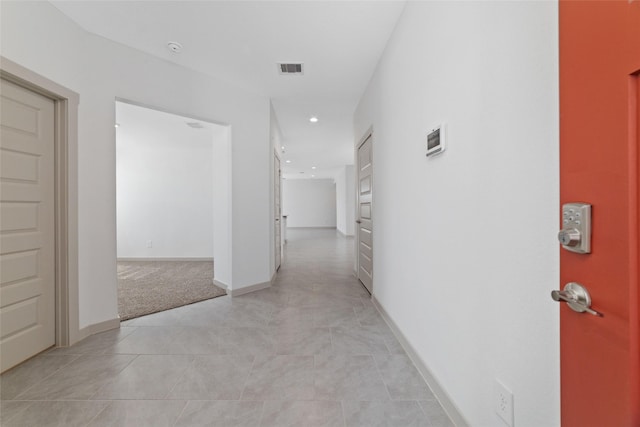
503	398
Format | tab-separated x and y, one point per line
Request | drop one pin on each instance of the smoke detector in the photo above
290	68
174	47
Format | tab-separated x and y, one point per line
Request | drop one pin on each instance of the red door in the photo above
599	93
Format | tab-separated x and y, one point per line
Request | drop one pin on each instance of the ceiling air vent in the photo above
290	68
195	125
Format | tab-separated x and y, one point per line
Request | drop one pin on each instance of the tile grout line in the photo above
181	376
186	403
48	376
99	412
20	412
375	362
246	380
425	413
112	377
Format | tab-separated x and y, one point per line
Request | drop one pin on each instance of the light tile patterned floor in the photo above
310	351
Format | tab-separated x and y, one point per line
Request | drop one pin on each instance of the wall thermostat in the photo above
435	141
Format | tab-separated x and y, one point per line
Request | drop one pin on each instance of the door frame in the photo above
368	134
67	329
634	227
279	219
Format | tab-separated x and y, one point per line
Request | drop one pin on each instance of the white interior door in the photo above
278	212
364	221
27	239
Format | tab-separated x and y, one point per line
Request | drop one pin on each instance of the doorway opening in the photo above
165	210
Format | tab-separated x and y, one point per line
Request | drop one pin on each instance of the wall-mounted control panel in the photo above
575	235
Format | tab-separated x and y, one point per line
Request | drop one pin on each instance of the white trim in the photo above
443	397
96	328
328	228
165	259
169	111
248	289
66	198
344	234
277	216
222	285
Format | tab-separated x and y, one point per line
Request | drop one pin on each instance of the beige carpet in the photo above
146	287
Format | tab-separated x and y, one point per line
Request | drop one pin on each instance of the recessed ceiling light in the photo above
174	47
282	147
313	167
117	125
313	176
288	161
313	119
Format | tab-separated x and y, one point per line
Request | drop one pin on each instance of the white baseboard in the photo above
166	259
443	397
221	285
248	289
313	227
96	328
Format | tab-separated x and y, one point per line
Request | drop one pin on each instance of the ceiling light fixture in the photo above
174	47
117	125
313	176
313	119
313	167
288	161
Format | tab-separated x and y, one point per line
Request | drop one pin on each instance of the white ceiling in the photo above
339	43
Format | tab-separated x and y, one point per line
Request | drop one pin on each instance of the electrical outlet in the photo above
503	398
149	243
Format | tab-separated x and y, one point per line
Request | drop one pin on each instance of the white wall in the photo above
345	200
164	172
222	207
37	36
464	243
309	202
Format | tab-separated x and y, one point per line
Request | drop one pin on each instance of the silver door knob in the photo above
569	237
577	298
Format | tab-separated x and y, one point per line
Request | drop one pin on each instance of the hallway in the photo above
311	350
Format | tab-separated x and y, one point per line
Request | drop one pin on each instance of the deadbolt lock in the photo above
575	235
570	237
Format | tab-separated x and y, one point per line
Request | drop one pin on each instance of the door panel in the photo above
365	224
599	54
365	211
27	271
